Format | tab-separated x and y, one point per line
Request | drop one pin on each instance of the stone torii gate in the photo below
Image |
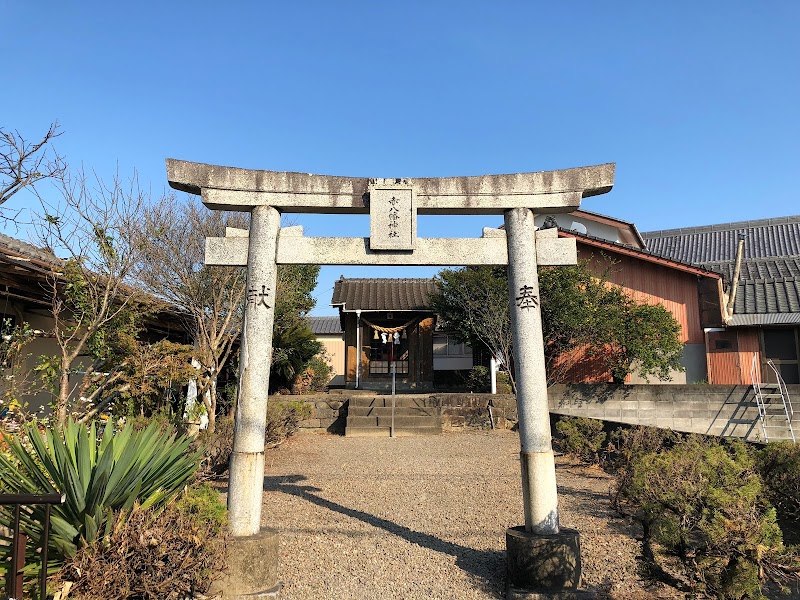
393	206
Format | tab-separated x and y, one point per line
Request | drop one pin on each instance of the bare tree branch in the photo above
90	230
23	163
172	236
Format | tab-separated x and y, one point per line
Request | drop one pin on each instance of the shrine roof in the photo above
384	294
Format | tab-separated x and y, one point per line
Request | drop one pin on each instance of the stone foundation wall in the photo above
466	410
326	412
724	410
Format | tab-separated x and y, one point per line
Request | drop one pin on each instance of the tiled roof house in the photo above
763	323
26	283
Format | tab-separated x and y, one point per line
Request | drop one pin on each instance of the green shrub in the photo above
703	501
627	443
503	382
478	379
579	437
321	374
202	504
162	420
283	420
98	478
779	465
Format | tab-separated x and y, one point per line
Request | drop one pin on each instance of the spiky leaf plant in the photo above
97	476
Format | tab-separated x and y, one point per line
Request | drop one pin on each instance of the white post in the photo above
246	482
191	400
358	347
493	374
539	491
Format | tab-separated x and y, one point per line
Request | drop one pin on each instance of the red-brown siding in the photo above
732	363
645	282
652	284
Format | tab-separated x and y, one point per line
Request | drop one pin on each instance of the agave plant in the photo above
97	477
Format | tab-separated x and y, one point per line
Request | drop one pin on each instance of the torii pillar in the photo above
541	555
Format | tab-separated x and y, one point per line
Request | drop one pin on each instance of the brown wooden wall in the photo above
651	283
677	291
732	364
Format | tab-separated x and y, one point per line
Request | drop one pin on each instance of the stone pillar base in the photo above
544	564
252	571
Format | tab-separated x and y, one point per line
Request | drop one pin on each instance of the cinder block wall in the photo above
724	410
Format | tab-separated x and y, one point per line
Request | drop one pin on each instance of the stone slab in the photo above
230	188
392	216
543	563
252	568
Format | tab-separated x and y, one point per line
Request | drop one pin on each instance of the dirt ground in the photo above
425	517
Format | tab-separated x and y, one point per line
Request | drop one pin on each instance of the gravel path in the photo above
425	517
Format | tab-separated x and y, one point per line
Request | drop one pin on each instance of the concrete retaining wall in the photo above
724	410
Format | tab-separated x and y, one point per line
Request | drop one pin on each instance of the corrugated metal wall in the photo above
578	367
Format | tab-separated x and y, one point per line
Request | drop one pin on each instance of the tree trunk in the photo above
63	395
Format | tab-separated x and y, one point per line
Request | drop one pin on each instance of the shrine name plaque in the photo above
392	215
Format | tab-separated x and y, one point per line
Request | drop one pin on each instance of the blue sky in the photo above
696	102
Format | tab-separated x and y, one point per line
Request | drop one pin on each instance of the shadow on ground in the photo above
486	567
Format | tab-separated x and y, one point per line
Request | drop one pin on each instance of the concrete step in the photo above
385	431
384	401
386	411
399	421
417	421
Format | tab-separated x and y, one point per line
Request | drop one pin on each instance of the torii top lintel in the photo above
231	188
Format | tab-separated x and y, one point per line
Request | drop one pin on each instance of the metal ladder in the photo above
772	400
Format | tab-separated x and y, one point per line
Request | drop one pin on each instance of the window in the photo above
440	344
383	354
781	347
723	341
447	345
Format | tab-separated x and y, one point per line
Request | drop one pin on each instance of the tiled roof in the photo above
325	325
26	250
713	243
769	282
765	319
642	254
383	294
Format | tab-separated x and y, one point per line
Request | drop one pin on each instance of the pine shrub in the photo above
580	438
703	501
